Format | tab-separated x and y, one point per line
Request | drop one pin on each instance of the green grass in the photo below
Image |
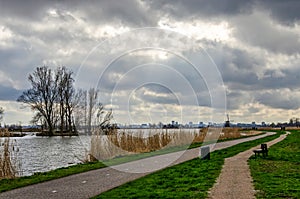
9	184
278	175
191	179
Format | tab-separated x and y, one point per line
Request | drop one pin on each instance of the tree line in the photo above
58	106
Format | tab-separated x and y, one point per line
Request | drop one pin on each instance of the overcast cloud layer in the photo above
254	44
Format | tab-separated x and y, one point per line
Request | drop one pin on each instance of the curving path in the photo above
235	180
92	183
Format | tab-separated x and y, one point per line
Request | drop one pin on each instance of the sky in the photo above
161	60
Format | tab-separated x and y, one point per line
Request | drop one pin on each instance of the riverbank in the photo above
6	133
15	182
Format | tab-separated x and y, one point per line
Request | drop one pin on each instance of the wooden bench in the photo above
263	150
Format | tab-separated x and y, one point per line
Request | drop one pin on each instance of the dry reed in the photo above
5	133
9	164
125	142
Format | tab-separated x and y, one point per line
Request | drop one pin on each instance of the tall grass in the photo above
4	133
9	164
125	142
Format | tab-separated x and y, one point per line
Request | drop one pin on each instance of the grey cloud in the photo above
127	12
238	67
286	12
258	30
290	79
165	96
205	9
99	12
28	10
8	93
243	70
236	98
284	99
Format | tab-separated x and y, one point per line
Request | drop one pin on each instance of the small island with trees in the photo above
59	108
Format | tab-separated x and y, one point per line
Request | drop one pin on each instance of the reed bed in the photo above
9	164
127	141
4	133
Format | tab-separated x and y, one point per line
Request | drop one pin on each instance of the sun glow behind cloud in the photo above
199	30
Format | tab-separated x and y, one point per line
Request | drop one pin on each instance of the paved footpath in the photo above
92	183
235	180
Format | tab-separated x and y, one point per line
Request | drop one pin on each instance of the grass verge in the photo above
9	184
277	176
191	179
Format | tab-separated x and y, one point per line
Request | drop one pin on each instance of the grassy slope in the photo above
278	175
9	184
191	179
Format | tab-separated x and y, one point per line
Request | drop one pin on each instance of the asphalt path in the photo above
92	183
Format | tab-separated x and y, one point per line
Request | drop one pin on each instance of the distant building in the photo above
201	125
144	126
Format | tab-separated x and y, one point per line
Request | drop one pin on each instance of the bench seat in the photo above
263	150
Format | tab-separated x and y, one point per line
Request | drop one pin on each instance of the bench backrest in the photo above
264	147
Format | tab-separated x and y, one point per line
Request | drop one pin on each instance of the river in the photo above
40	154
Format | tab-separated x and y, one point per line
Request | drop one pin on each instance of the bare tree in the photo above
92	108
1	114
66	99
103	117
52	96
42	95
80	112
90	113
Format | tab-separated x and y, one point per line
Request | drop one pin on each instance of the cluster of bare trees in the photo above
58	106
294	122
90	113
51	95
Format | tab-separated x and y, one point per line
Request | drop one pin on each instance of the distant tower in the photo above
227	123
